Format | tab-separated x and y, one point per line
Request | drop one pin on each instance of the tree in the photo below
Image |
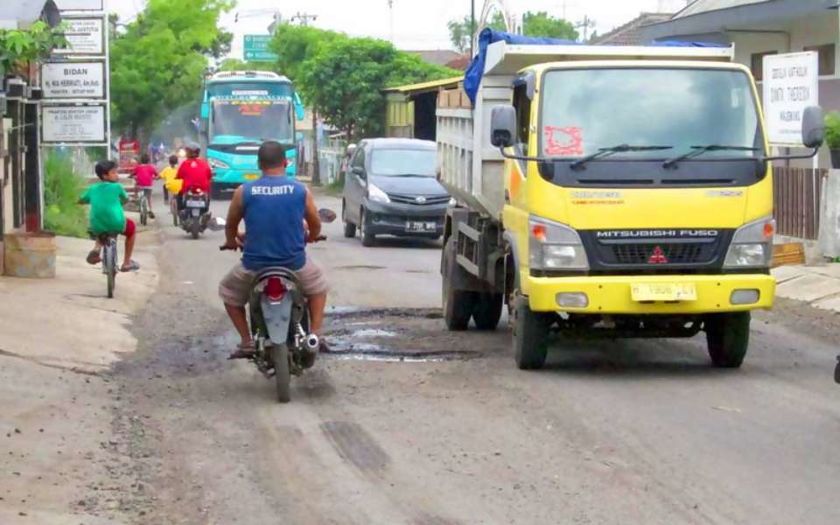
460	32
541	23
295	45
158	63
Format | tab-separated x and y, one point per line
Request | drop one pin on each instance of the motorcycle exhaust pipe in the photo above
313	343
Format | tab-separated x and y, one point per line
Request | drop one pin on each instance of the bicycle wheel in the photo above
110	261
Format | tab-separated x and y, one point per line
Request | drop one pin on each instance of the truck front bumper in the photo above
613	294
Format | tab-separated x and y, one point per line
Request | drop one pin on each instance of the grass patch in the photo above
62	189
335	188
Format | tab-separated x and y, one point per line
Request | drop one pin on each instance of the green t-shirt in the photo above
106	207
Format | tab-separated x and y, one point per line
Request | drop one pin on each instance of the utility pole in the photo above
304	18
472	27
391	15
585	25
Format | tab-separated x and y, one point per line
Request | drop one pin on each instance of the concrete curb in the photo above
818	286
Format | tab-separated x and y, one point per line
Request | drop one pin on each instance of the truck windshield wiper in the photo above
606	152
696	151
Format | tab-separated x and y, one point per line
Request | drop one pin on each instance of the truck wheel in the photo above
530	335
727	337
458	305
488	310
368	239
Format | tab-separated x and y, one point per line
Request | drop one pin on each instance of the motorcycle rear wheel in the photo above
282	373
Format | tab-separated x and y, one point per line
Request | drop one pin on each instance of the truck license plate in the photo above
413	226
663	292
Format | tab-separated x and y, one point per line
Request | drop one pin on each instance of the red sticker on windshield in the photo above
563	141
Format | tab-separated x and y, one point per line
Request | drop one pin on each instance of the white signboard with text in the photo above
73	124
80	5
73	80
790	85
85	36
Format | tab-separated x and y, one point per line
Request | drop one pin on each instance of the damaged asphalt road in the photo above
408	423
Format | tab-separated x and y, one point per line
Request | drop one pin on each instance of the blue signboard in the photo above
256	49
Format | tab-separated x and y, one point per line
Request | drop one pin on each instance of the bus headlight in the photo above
752	245
216	163
554	246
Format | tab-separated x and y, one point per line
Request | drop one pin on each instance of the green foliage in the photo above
18	46
832	130
62	189
538	23
158	64
296	44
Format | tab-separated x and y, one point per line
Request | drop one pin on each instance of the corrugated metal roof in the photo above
703	6
433	85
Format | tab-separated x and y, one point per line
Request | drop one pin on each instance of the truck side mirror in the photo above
503	126
813	127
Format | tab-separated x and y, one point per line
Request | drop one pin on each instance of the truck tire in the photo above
727	337
530	335
488	310
458	305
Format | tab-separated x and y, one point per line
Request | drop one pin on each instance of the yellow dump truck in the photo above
618	191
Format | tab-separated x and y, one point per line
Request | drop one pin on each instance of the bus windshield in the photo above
584	110
235	121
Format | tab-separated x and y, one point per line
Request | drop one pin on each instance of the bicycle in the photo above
109	260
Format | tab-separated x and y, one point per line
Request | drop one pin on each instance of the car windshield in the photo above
589	109
404	161
250	120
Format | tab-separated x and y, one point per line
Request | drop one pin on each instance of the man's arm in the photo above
311	215
235	213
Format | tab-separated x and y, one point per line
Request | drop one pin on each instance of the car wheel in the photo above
368	239
349	227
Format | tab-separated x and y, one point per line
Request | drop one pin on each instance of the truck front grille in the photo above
684	253
655	250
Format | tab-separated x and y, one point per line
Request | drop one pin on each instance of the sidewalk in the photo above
817	285
57	337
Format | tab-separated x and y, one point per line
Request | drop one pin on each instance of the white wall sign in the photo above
80	5
73	80
84	37
73	124
791	84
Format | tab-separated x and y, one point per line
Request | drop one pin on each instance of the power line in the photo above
303	18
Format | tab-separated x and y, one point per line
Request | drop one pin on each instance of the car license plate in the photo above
413	226
251	176
663	292
195	204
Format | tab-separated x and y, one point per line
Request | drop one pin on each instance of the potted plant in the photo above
832	137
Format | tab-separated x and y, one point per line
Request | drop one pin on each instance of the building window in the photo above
826	58
757	64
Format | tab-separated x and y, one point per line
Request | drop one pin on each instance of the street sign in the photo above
73	124
85	36
790	85
73	80
256	48
80	5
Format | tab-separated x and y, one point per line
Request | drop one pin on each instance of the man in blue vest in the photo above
274	208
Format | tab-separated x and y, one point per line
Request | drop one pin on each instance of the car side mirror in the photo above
503	126
358	171
813	127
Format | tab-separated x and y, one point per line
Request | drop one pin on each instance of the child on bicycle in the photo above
106	199
167	175
144	175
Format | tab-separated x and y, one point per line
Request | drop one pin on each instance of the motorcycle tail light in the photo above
274	288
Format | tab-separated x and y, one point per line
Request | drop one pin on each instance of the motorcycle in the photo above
195	217
278	314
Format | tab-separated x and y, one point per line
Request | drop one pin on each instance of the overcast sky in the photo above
417	24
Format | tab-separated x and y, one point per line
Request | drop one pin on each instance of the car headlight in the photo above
377	195
216	163
752	245
555	246
452	201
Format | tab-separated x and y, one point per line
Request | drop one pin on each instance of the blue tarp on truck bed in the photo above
472	77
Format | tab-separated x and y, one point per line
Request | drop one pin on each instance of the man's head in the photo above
193	150
272	157
106	170
144	158
173	160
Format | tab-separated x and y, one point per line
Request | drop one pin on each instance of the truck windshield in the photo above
234	121
584	110
403	162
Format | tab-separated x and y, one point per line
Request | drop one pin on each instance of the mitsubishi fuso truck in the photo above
609	190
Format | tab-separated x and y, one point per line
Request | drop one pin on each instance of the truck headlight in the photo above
216	163
752	245
377	195
554	246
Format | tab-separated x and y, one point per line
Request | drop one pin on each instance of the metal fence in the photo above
796	194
